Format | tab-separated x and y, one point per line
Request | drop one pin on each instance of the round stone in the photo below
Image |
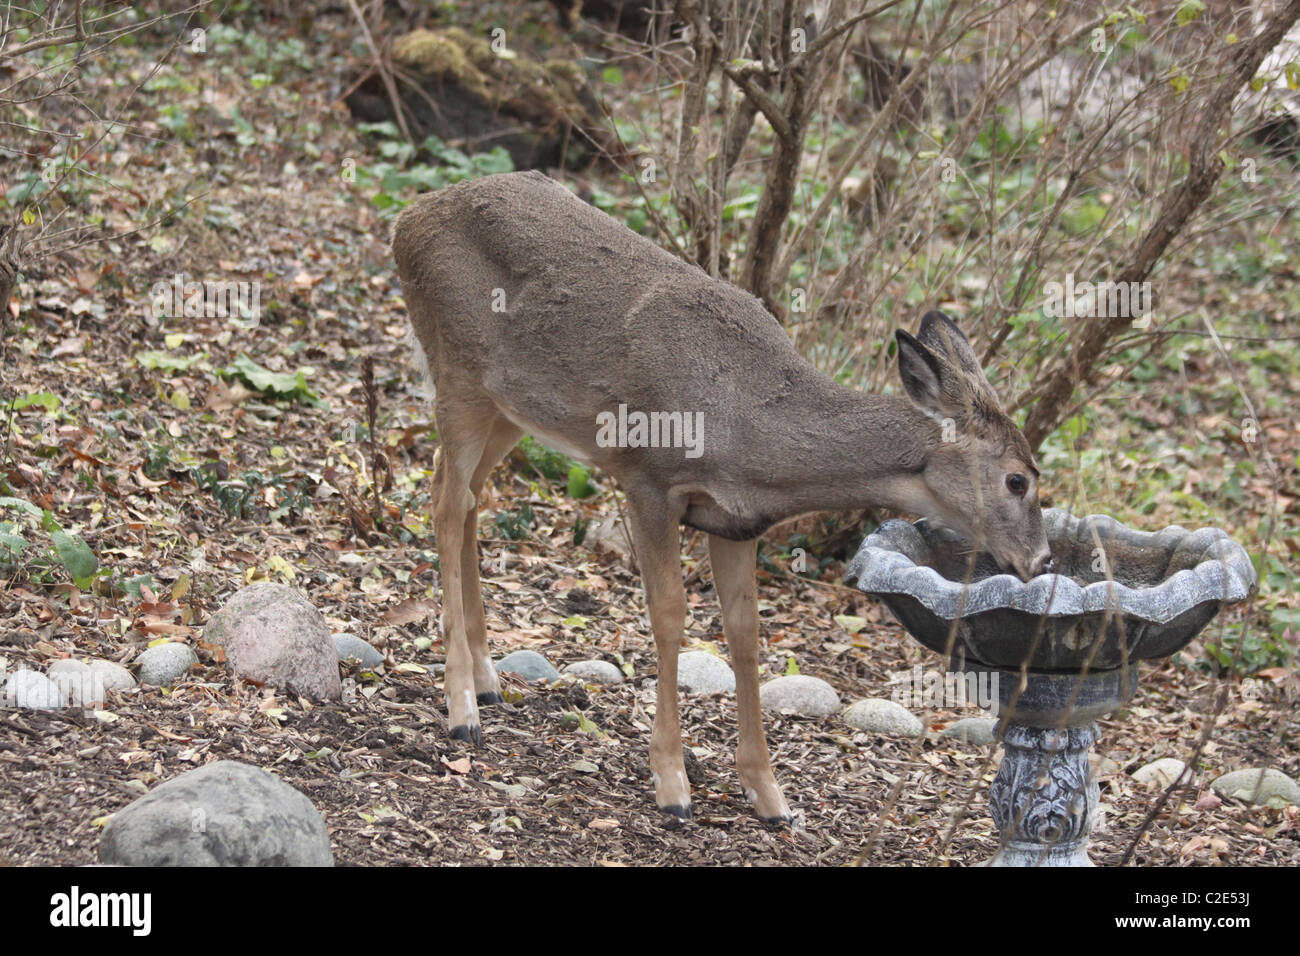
877	715
700	672
77	683
595	672
1274	787
225	813
164	664
114	676
273	634
527	664
31	690
975	731
350	646
1160	773
804	695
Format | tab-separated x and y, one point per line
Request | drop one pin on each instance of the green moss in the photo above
442	53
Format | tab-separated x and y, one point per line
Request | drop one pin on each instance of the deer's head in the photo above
979	477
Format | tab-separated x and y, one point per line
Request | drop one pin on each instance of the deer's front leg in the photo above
733	575
654	535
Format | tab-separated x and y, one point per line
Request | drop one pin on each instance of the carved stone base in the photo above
1044	797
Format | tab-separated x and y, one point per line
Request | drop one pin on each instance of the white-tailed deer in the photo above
537	313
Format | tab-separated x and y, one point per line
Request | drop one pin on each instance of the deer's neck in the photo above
840	450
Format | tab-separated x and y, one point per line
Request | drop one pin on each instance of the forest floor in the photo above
148	422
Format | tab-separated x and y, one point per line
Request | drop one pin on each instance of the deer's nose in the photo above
1042	564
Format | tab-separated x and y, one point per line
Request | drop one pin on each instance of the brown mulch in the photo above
394	790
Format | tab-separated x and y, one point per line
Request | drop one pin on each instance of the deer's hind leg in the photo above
466	424
487	690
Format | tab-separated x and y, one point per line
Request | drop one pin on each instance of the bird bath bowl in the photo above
1061	649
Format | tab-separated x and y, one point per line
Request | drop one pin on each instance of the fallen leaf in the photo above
461	766
409	611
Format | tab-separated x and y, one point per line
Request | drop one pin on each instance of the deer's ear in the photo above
920	373
941	335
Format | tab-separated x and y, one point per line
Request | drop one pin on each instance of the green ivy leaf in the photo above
45	400
278	384
27	506
75	555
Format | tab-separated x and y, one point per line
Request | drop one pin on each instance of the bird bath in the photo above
1061	649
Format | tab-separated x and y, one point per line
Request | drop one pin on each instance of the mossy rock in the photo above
475	99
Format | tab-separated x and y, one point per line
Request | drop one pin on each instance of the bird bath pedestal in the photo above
1061	649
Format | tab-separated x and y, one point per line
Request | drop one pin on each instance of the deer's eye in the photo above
1017	484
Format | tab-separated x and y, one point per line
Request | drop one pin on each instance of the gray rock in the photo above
114	676
274	635
77	683
806	696
348	645
975	731
1160	773
1276	789
164	664
877	715
699	672
223	814
597	672
527	664
31	690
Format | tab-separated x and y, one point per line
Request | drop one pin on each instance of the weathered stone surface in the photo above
31	690
113	676
596	671
164	664
223	814
78	685
975	731
1275	789
1160	773
527	664
804	695
350	646
699	672
878	715
274	635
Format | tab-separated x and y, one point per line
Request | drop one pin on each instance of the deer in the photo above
534	312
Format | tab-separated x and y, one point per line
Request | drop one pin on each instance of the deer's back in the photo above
518	281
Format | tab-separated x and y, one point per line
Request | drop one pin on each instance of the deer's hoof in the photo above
682	811
489	698
471	732
792	821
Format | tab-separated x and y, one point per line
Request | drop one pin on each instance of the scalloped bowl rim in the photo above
1226	575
